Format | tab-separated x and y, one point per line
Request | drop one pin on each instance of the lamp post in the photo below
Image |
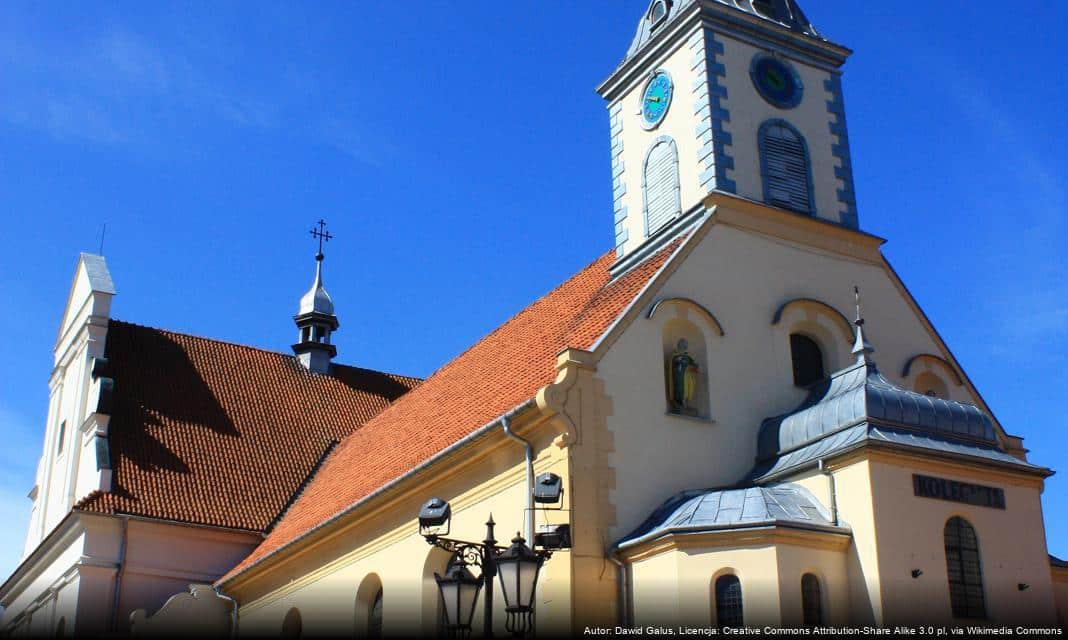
517	564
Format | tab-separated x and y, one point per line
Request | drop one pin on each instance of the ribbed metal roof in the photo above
716	509
785	13
865	434
861	394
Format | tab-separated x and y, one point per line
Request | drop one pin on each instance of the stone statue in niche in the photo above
682	379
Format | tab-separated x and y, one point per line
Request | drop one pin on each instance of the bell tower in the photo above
735	96
315	318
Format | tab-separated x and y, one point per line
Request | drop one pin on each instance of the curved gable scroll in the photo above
704	313
937	362
835	315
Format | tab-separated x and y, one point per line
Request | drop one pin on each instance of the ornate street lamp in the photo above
459	590
518	567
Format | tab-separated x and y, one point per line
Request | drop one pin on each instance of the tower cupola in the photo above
315	318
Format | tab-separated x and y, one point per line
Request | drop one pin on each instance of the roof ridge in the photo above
248	347
501	327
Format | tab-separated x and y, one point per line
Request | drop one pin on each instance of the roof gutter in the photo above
389	486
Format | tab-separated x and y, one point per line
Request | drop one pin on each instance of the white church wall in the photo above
679	124
748	110
162	559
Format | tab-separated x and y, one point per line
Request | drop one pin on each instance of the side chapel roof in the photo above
788	505
197	425
498	373
857	406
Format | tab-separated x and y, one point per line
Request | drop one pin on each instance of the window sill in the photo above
683	416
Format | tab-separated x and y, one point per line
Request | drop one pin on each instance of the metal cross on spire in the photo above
860	316
321	234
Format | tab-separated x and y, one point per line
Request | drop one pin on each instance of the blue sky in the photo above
460	154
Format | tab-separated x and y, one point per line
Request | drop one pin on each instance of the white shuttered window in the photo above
784	158
660	184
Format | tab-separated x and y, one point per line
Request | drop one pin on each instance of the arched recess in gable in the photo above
930	374
704	314
821	323
686	330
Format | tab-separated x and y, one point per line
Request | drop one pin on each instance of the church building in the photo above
737	415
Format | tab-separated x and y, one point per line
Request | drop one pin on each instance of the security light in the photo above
548	488
553	536
434	517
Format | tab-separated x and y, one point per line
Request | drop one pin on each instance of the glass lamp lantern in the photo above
518	568
459	591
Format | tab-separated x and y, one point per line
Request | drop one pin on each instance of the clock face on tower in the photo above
656	99
776	81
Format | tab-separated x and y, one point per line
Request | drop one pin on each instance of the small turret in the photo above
315	318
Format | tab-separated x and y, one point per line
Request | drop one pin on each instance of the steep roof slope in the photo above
219	434
503	370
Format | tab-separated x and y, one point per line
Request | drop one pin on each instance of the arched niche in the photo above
685	357
367	595
931	375
821	323
930	384
686	327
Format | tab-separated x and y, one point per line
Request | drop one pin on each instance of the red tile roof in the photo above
220	434
503	370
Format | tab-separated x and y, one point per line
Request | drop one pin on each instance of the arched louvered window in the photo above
964	569
660	185
729	602
784	165
807	360
811	601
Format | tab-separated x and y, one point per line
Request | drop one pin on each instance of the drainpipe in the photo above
622	586
233	610
834	493
528	515
119	571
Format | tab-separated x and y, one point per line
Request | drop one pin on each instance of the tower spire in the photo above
315	318
862	349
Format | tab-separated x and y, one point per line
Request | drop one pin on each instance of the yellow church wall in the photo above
656	454
674	579
831	568
382	543
1060	594
1012	544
